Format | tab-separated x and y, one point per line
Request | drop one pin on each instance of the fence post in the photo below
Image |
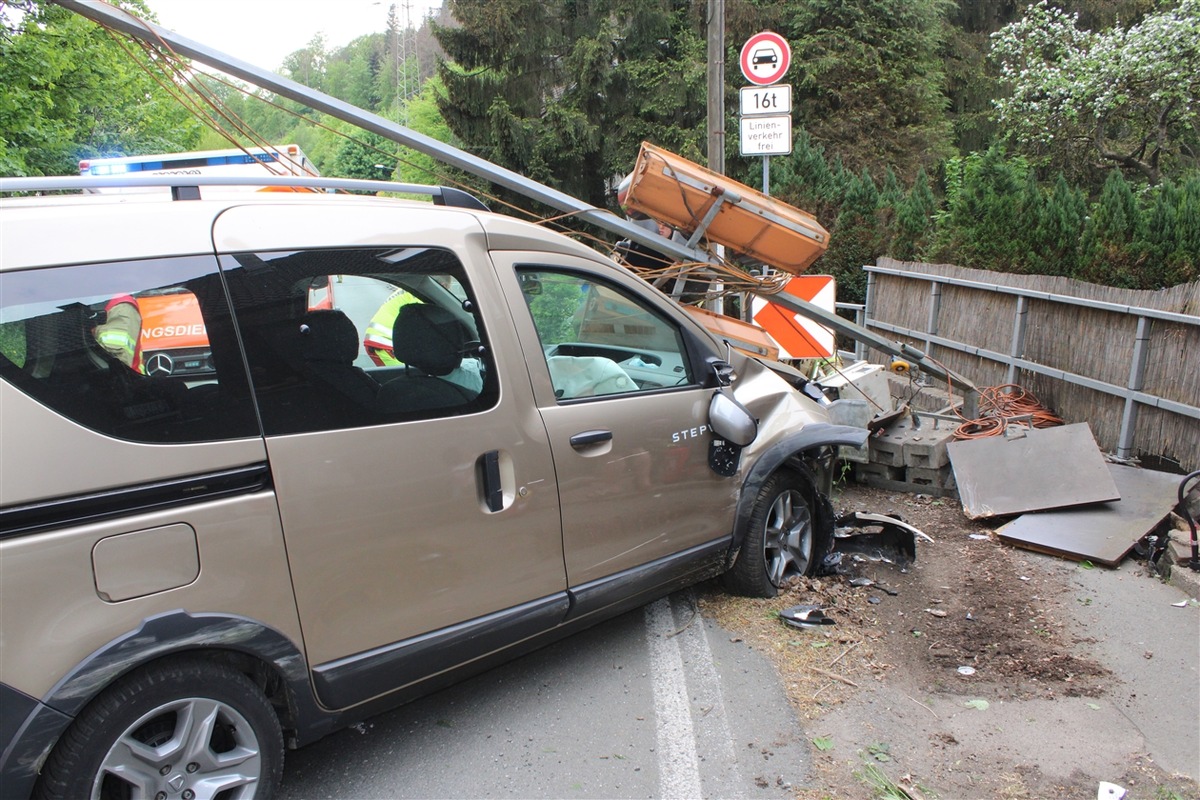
860	319
1017	350
1137	377
860	349
935	307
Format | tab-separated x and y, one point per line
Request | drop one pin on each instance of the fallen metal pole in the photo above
124	22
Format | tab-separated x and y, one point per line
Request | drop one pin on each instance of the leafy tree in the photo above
352	73
1129	97
424	117
307	65
69	91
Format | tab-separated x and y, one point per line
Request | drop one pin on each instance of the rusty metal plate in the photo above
1036	470
1103	533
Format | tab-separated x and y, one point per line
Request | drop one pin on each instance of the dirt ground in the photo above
939	680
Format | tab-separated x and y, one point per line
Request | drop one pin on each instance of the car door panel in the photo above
632	466
389	529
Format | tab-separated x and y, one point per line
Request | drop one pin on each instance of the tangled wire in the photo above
1004	405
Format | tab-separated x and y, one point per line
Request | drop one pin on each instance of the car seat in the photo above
430	342
329	344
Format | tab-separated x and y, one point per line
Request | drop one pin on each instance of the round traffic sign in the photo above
765	58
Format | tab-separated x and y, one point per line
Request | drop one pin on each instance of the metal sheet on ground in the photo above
1104	533
1043	469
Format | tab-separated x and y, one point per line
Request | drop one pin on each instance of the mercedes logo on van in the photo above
160	364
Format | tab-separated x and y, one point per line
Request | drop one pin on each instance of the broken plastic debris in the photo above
966	670
1109	791
875	537
1181	604
1022	577
861	582
978	536
805	616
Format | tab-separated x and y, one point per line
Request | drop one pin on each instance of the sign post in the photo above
765	124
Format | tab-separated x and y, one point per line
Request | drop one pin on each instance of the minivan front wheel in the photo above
185	730
782	540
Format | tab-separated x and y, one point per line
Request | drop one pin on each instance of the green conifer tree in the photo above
1110	249
914	220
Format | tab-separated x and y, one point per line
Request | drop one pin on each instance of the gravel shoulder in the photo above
984	671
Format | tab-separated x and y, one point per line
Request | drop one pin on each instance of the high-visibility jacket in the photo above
121	332
378	339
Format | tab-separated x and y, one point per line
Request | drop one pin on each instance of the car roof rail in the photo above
187	187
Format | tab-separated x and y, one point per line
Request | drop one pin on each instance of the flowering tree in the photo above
1128	97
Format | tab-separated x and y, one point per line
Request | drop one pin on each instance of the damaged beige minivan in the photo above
425	439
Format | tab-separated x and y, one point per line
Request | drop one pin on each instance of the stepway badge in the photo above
766	136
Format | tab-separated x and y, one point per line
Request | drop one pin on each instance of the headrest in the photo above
328	336
429	338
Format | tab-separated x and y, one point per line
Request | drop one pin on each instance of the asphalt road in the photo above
657	703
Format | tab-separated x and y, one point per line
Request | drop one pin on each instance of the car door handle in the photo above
590	437
493	489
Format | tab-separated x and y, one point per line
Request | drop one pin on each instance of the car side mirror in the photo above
730	420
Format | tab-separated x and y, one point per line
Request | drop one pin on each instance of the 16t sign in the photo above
765	58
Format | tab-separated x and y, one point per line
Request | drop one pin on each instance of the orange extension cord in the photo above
998	406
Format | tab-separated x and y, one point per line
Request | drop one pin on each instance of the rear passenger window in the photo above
140	350
356	337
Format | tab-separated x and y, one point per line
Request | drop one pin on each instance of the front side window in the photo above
599	340
141	350
355	337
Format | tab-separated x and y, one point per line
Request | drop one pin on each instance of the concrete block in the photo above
882	471
887	449
940	477
927	449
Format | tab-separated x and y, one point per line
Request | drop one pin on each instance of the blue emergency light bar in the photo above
236	159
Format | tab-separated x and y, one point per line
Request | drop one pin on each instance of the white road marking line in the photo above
712	729
678	765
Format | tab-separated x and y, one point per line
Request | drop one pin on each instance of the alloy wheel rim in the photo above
788	537
189	749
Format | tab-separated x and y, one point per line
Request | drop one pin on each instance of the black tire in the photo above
782	539
171	726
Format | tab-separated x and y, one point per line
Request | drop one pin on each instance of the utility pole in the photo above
716	101
716	86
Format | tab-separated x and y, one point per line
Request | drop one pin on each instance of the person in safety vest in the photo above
378	339
121	332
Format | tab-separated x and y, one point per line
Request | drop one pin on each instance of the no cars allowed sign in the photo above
765	58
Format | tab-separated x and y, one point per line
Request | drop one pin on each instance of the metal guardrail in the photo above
1132	392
